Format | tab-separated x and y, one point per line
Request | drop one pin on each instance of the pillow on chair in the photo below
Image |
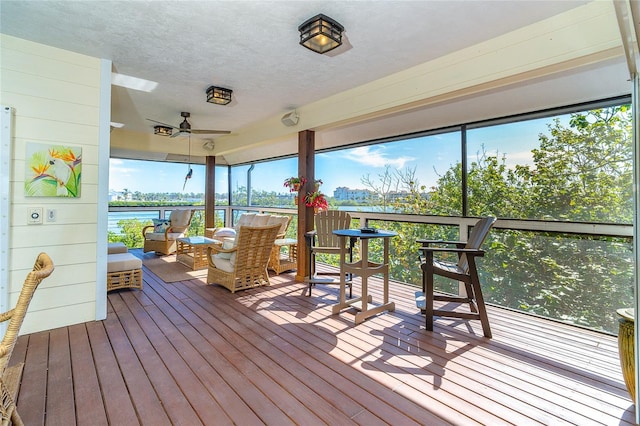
161	225
227	244
225	261
224	233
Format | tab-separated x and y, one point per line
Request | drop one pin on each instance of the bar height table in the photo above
364	268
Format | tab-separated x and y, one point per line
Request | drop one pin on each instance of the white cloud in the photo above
375	157
119	170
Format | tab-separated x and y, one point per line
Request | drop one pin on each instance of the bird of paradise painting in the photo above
52	170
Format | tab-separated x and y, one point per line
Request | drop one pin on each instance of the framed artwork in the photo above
52	170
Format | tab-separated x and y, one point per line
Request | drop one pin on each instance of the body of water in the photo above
146	216
143	216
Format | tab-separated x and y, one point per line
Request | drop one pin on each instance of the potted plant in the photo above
294	183
317	200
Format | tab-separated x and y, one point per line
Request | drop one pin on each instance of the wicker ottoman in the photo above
118	247
124	270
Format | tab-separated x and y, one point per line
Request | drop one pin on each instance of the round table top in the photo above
380	233
627	313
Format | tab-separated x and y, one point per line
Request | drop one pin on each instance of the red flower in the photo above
295	183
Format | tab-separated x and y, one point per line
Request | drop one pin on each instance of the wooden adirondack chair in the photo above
322	240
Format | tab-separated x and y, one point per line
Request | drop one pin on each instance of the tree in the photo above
386	184
131	234
581	172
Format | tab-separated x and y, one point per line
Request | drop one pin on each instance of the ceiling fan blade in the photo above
210	132
181	133
164	124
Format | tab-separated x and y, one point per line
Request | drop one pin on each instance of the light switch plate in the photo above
51	215
34	215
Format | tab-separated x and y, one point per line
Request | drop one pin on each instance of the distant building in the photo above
397	196
120	195
343	193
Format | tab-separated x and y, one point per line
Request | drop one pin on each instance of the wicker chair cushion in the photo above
245	219
122	262
180	217
283	221
222	264
180	220
159	236
118	247
260	220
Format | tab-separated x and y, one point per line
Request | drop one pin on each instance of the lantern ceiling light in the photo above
218	95
162	130
320	34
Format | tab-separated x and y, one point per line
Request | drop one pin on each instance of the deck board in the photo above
191	353
60	399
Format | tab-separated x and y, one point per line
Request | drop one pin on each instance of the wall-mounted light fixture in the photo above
218	95
320	34
162	130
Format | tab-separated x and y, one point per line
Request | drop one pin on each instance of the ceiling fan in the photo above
185	128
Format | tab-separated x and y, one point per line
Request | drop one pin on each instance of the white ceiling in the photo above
252	48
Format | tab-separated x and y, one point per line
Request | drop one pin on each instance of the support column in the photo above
306	168
210	192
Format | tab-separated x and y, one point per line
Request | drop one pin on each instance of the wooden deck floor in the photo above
187	353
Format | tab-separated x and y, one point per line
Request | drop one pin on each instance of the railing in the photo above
578	273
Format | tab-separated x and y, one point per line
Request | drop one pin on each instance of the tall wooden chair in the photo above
322	240
464	271
42	268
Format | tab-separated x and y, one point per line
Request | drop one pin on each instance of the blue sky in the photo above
429	155
150	176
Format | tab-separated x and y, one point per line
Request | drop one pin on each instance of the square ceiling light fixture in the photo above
320	34
162	130
219	95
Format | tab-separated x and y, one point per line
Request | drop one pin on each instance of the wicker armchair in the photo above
42	268
165	242
245	264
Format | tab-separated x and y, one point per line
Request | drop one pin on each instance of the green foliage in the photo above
155	203
131	230
582	173
131	234
197	223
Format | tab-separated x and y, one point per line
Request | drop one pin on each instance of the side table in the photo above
287	261
192	251
364	268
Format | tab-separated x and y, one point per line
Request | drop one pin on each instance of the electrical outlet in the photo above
34	215
51	215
